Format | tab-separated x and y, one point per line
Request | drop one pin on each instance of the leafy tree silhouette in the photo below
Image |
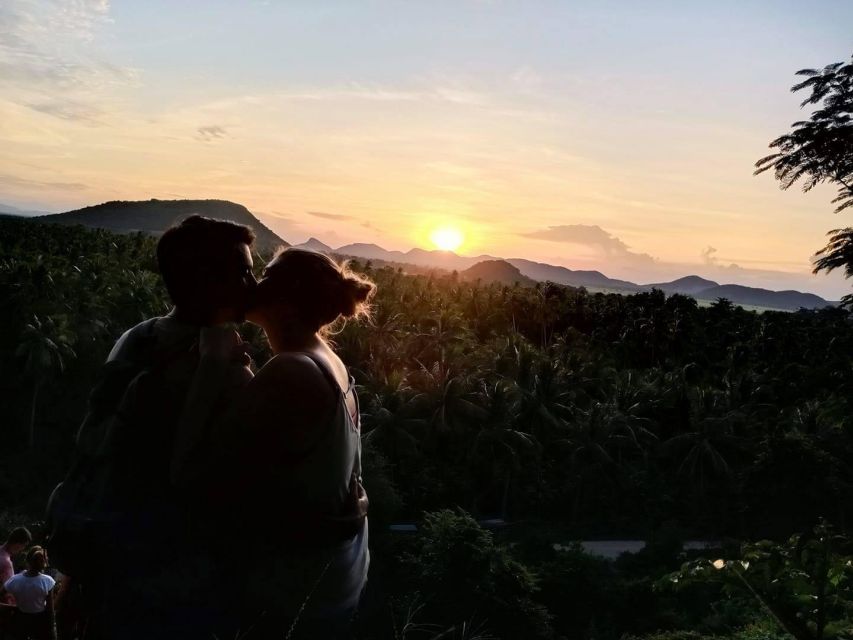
820	150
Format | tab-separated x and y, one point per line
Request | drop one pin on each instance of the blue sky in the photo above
610	135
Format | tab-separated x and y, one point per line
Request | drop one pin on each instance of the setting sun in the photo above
446	238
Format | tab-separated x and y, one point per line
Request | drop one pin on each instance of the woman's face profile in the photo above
268	304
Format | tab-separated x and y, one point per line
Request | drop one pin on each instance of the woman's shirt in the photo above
280	470
316	480
30	591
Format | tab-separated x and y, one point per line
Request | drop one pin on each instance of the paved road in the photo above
612	549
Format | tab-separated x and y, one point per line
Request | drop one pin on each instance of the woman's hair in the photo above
320	289
36	559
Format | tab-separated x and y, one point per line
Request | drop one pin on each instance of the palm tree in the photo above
632	431
444	328
705	444
590	464
447	399
545	398
391	419
44	348
498	443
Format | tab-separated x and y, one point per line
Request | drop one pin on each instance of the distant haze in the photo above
610	136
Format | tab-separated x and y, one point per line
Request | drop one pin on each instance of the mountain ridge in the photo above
692	285
155	216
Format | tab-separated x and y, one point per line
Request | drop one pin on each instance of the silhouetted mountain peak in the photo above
496	271
315	245
687	285
155	216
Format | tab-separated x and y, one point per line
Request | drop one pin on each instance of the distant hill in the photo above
315	245
155	216
496	271
696	286
370	251
421	257
450	261
689	285
785	300
445	259
8	209
562	275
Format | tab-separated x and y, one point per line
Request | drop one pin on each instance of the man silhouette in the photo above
156	575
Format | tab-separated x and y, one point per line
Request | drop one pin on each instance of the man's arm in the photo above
221	368
7	598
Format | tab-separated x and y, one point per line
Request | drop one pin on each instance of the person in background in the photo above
33	592
19	540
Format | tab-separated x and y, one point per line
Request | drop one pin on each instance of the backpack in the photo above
84	510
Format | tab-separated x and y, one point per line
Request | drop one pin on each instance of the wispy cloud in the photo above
330	216
69	110
46	60
16	181
211	132
342	217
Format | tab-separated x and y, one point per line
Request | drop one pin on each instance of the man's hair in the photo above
20	535
190	252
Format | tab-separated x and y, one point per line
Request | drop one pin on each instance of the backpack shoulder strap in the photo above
113	381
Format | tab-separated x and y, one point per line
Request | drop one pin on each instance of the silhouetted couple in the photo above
235	498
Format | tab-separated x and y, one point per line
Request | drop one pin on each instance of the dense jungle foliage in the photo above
568	415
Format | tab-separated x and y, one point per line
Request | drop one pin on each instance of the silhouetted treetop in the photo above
819	149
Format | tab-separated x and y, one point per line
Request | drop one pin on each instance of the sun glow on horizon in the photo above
447	238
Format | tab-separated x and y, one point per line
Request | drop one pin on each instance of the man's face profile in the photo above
244	281
236	284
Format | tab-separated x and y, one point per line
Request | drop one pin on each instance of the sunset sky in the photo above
619	136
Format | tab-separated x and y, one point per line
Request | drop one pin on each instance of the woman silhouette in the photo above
294	438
